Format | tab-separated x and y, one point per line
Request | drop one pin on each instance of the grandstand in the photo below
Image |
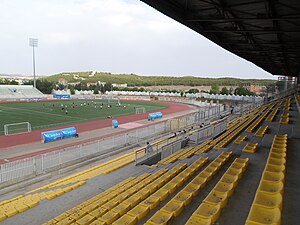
212	181
20	92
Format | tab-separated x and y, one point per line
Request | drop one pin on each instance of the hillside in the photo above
135	80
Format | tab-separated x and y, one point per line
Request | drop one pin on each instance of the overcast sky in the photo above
118	36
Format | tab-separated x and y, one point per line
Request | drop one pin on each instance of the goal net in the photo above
140	110
15	128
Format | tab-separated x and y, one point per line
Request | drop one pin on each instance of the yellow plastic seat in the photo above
150	202
78	214
178	181
86	220
277	155
184	197
275	168
152	187
268	200
125	220
161	194
144	193
173	207
273	176
211	169
192	188
132	201
234	172
184	175
110	217
109	205
170	187
199	181
216	198
208	212
223	187
121	209
139	211
227	178
271	187
195	220
21	207
89	207
242	160
261	215
120	198
274	161
98	212
205	174
160	218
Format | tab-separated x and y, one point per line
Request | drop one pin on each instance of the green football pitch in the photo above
62	112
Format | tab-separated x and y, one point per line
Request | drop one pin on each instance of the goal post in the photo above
15	128
140	110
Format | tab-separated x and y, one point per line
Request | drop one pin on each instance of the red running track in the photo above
35	136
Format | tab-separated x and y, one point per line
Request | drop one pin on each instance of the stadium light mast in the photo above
33	42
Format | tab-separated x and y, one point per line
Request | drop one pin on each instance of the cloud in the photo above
122	36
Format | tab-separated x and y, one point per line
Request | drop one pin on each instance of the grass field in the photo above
50	114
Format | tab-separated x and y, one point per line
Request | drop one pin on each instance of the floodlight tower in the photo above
33	42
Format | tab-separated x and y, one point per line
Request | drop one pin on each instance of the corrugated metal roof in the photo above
266	33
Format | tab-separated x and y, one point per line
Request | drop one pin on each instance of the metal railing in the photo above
170	145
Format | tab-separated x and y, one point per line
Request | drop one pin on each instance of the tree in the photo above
72	90
242	91
215	89
224	91
102	89
13	82
193	90
96	91
44	86
61	87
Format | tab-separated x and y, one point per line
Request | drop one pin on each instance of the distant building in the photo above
101	83
255	88
119	85
90	84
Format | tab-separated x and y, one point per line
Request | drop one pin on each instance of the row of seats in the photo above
103	168
287	105
261	131
234	133
267	204
240	139
187	153
106	199
123	199
285	118
22	203
258	121
271	116
159	195
251	148
210	209
183	198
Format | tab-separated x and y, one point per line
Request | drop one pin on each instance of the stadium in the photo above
126	157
